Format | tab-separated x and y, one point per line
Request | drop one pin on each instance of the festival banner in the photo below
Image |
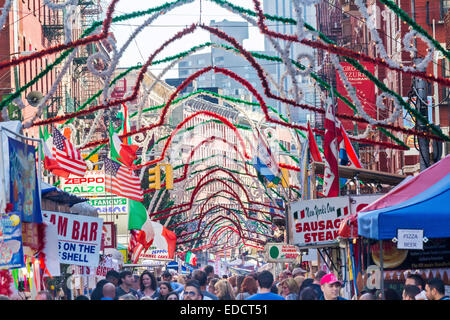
79	237
11	248
365	91
24	190
316	222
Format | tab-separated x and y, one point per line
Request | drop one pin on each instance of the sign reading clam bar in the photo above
281	252
316	222
79	237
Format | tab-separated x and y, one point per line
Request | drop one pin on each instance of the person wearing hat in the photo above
298	272
331	287
177	287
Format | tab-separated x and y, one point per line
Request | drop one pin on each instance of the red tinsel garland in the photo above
342	51
187	119
235	77
197	189
72	44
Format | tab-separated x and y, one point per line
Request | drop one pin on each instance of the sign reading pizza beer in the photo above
281	252
316	222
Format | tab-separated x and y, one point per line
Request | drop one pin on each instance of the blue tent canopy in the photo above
428	211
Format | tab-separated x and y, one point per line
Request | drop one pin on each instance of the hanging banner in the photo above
365	91
109	239
24	190
316	222
79	237
11	247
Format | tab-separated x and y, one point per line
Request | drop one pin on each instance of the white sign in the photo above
153	253
410	239
92	184
79	237
281	252
110	205
357	203
316	222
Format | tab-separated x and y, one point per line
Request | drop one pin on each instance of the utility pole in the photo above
424	144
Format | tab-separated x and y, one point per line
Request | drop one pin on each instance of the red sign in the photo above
365	91
120	89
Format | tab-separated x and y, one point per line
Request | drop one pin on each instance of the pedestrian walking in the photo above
201	278
148	285
108	291
331	287
167	277
265	282
126	280
224	290
435	289
249	287
289	289
97	293
172	296
410	292
164	289
192	291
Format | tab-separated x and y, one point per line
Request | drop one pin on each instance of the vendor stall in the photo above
413	216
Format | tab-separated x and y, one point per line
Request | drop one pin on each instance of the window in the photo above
219	59
445	6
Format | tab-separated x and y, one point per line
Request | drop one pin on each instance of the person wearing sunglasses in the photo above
192	291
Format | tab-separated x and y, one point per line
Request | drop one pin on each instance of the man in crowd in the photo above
410	292
316	285
200	276
265	281
331	287
435	290
176	286
109	291
209	270
125	284
113	277
417	280
192	291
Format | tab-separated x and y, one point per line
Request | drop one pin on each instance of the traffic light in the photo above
154	177
169	176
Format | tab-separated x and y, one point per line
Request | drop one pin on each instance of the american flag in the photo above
122	181
67	156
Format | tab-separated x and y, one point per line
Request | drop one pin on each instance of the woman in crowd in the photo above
148	285
248	288
164	289
172	296
224	290
289	289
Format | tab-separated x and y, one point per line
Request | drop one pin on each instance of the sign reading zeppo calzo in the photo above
79	237
92	184
316	222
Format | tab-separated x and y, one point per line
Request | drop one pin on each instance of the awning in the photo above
422	203
57	195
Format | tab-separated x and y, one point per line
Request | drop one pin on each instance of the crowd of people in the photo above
203	284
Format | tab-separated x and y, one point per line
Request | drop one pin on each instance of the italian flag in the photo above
313	148
121	152
150	232
50	163
191	258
